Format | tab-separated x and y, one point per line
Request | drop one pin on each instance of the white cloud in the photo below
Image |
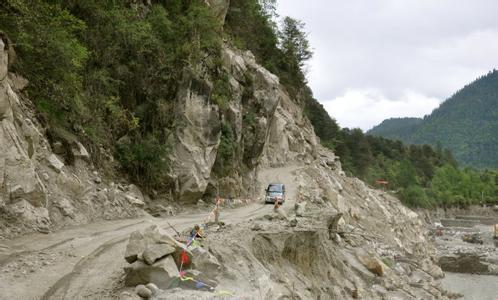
432	48
367	108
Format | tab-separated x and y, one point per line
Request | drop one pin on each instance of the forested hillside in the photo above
421	174
396	128
466	123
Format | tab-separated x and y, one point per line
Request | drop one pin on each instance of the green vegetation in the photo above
226	151
251	25
396	128
109	71
466	123
49	54
420	175
145	161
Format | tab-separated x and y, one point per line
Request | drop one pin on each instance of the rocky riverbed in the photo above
467	253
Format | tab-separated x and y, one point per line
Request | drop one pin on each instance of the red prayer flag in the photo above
184	258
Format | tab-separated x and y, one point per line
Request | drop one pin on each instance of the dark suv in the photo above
274	192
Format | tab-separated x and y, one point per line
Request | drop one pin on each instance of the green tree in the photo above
294	43
407	175
49	54
415	196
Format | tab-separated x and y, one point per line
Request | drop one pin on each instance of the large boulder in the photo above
152	245
205	262
55	163
372	263
154	235
135	247
163	273
300	208
21	180
156	251
80	151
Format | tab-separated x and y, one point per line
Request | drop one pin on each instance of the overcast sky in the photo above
376	59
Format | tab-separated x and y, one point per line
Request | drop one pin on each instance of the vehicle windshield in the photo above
275	188
273	194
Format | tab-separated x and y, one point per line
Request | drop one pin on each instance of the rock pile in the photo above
155	259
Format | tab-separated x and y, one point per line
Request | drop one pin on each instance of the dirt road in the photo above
87	261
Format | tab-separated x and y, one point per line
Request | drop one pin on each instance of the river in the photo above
473	287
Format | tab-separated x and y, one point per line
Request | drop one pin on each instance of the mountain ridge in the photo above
466	123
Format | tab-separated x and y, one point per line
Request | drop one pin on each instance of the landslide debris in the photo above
159	261
342	241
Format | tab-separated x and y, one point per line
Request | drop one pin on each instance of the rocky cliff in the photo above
37	190
267	127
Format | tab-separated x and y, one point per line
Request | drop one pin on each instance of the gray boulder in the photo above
300	208
156	251
162	273
153	288
143	291
55	163
154	235
136	245
205	262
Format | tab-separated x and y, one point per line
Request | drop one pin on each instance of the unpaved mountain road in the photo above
87	261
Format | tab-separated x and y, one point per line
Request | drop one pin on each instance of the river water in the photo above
473	287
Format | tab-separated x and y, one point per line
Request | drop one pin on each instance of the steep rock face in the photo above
21	189
196	140
291	136
37	190
268	128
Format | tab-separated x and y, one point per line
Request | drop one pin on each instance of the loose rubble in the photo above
156	261
468	250
339	247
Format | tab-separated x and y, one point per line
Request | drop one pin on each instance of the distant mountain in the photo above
396	128
466	123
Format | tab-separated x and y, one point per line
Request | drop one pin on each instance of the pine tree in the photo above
294	43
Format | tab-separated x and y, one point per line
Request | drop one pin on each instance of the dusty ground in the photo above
87	261
473	287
